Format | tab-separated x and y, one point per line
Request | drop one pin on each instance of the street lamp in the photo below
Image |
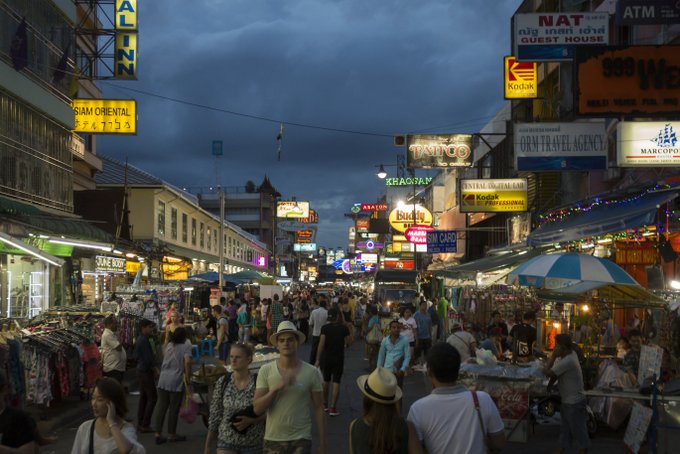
381	172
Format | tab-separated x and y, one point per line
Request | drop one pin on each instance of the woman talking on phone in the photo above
108	432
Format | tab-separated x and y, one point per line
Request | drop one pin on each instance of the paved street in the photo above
350	407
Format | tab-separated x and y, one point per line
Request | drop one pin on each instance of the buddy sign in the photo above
401	218
493	196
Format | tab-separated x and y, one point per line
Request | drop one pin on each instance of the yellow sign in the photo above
401	218
132	267
493	196
125	56
105	116
126	15
520	79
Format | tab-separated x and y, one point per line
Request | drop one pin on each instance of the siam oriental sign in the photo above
401	218
105	116
373	207
648	144
520	79
447	150
110	264
292	209
125	51
560	146
555	36
638	80
493	196
408	181
417	234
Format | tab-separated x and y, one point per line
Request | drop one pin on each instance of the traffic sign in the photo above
442	241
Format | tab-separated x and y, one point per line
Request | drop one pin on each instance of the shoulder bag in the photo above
485	436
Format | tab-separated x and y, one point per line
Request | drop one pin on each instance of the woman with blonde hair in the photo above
381	428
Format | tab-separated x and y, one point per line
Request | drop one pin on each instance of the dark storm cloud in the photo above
385	67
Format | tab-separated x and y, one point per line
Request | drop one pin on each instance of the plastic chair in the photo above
195	353
208	347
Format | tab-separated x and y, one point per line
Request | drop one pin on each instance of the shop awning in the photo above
488	264
632	296
602	219
189	254
212	277
26	248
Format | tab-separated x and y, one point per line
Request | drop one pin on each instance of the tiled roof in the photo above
113	173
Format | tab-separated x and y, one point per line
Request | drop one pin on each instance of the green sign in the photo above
408	181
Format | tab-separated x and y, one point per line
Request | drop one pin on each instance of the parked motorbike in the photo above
549	405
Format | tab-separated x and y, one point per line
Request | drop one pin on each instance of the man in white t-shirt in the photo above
464	342
114	357
463	431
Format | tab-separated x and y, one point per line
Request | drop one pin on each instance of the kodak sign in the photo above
520	79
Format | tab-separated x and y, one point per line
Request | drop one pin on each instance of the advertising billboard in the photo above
446	150
292	209
126	15
401	218
637	80
520	79
560	146
304	247
373	207
493	196
555	36
105	116
125	56
648	144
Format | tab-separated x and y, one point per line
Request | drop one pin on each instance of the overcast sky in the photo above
380	67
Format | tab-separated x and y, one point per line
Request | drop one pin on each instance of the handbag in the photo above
189	409
374	335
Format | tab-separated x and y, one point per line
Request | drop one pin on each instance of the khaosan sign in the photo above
408	181
648	144
105	116
493	196
401	218
448	150
417	234
292	209
560	146
520	79
637	80
555	36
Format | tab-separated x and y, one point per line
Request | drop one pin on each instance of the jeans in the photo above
243	334
574	425
147	397
168	402
315	347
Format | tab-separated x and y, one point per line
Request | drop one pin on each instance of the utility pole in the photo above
221	242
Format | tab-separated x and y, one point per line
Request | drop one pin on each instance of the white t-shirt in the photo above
112	359
462	341
443	430
317	319
101	445
407	327
569	378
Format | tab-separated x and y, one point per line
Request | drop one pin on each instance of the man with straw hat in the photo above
285	388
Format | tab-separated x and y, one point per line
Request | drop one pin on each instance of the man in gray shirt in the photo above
564	368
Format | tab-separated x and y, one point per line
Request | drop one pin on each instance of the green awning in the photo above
488	264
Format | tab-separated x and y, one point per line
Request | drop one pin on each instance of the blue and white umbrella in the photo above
558	271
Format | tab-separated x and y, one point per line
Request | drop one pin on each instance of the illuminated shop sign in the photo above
648	144
408	181
520	79
125	56
292	209
401	218
373	207
417	234
126	15
304	247
105	116
493	196
110	264
446	150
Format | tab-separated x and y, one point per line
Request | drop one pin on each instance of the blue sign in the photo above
442	241
217	148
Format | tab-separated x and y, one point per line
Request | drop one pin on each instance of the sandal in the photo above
177	438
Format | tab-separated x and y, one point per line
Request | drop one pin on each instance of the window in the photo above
161	218
202	243
185	227
209	238
215	245
173	223
193	231
229	250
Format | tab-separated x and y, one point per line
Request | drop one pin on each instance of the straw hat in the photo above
287	326
380	386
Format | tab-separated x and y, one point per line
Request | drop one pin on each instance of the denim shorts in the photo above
221	445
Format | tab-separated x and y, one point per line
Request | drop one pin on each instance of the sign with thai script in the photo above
555	36
105	116
520	79
126	15
645	12
292	209
648	144
442	241
401	218
373	207
448	150
416	181
560	146
493	196
639	80
110	264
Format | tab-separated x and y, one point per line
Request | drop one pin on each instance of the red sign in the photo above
306	234
312	219
362	225
399	264
373	207
417	234
511	398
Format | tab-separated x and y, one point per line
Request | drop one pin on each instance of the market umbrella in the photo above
212	277
248	275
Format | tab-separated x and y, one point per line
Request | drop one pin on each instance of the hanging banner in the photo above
560	146
447	150
105	116
555	36
646	12
401	218
648	144
520	79
493	196
638	80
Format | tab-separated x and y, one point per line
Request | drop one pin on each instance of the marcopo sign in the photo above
648	144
